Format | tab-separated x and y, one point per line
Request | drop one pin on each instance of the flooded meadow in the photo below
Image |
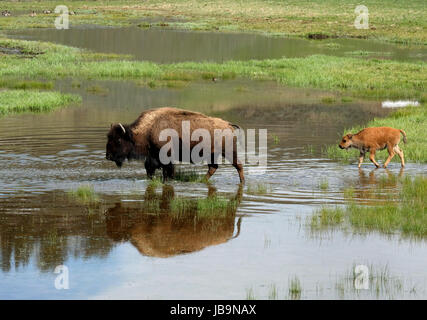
135	239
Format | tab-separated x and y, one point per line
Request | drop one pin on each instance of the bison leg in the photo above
391	154
400	154
372	158
238	166
212	168
239	169
151	165
168	171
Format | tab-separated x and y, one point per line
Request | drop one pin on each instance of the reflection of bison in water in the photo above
141	140
164	234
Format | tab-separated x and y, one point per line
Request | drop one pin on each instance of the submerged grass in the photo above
258	188
378	283
411	119
25	84
208	207
189	175
295	289
19	101
84	194
407	215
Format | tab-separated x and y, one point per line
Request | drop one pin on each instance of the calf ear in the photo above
349	135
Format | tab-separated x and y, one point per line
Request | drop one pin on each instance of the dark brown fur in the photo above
140	140
373	139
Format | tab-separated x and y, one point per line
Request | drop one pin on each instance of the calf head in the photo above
346	141
120	145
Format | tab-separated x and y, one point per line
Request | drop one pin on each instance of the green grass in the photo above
25	84
295	288
250	295
276	139
323	184
84	194
258	188
155	182
398	21
411	119
273	292
381	284
19	101
98	90
189	175
406	216
352	76
328	100
208	207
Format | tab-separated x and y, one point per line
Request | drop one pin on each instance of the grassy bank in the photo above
406	216
351	76
412	119
397	21
18	101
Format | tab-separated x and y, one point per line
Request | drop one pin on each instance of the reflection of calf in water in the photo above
372	187
155	230
389	181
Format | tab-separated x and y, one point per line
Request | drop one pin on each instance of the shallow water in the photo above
167	46
118	248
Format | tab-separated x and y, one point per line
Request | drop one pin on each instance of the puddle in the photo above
41	228
167	46
399	104
131	243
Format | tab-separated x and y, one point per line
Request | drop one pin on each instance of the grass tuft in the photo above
295	289
406	216
84	194
20	101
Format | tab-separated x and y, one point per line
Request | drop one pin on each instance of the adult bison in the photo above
145	139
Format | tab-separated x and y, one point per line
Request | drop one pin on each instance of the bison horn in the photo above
123	128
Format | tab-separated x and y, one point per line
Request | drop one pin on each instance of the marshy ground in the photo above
297	231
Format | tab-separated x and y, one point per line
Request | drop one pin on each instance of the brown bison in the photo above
145	139
373	139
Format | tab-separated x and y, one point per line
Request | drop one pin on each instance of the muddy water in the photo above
120	247
166	46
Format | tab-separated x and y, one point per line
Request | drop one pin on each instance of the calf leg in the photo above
361	157
372	158
400	154
391	154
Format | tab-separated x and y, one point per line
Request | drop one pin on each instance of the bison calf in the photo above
373	139
143	139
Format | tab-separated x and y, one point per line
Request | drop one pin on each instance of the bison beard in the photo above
140	140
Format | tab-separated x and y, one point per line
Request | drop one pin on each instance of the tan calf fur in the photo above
373	139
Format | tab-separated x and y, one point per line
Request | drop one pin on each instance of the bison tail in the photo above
235	126
404	135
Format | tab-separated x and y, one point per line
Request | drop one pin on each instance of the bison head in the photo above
120	144
346	141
